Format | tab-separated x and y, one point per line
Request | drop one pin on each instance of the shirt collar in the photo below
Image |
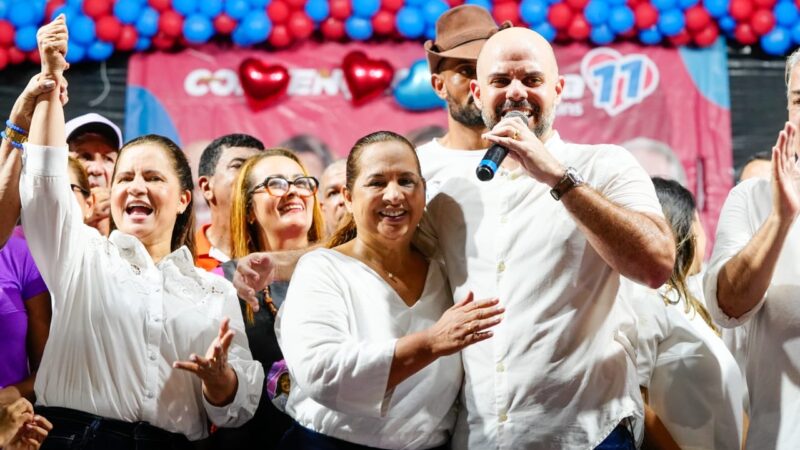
133	251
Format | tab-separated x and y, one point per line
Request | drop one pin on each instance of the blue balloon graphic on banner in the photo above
414	92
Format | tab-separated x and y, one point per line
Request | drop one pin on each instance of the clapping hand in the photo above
786	175
463	324
254	273
219	378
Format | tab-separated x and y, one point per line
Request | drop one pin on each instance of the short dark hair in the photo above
211	154
306	143
763	155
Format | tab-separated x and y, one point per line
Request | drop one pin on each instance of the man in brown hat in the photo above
460	34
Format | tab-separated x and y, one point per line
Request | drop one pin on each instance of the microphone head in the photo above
516	115
484	173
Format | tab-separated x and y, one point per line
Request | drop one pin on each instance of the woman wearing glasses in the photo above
274	208
79	183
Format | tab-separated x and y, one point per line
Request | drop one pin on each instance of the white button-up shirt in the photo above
771	347
120	321
338	328
559	371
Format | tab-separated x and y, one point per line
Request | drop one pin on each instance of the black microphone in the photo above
496	154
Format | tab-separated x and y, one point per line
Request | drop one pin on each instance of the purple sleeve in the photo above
31	282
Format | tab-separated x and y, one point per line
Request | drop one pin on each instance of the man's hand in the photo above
253	274
525	147
12	417
102	206
785	176
52	39
22	111
31	435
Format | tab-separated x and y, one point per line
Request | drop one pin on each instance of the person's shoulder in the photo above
428	147
756	188
321	260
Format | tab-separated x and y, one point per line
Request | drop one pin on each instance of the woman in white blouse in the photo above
693	389
128	363
368	329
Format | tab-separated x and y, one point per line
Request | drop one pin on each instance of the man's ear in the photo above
437	82
348	199
206	187
475	88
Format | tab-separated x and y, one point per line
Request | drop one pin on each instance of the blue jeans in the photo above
620	439
301	438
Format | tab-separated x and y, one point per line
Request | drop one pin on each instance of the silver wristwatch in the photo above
570	180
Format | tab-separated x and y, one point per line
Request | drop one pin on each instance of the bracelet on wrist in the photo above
15	127
15	144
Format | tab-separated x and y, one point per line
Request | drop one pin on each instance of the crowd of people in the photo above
391	300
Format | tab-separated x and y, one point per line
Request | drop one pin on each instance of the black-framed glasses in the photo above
82	191
279	186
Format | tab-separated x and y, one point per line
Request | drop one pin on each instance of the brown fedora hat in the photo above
460	34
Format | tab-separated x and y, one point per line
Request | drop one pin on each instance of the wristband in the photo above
16	127
14	143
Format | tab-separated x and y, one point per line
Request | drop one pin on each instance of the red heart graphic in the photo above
366	78
262	83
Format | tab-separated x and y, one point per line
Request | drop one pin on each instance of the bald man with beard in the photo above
549	236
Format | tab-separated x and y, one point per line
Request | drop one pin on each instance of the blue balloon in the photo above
240	37
686	4
650	36
621	19
601	34
596	12
485	4
127	11
142	44
433	9
727	23
533	12
366	8
716	8
318	10
75	3
211	8
38	11
25	38
430	32
409	22
100	51
785	13
415	2
185	7
671	22
257	26
663	5
358	28
258	4
82	31
777	41
237	9
147	24
796	33
546	30
617	2
3	9
198	29
21	15
75	53
414	92
68	11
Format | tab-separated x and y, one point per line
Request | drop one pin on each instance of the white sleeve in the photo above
651	324
734	231
51	217
323	357
250	373
629	185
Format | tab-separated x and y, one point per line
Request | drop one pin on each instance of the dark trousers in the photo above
619	439
80	430
301	438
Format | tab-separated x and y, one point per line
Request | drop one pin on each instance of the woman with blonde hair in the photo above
274	208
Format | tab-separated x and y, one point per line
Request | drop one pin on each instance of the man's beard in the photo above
541	122
468	115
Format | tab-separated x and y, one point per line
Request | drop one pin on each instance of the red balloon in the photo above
170	23
506	11
741	9
332	28
697	18
160	5
300	25
6	34
559	16
681	38
34	56
646	15
51	6
765	3
297	4
127	38
3	58
280	36
108	28
366	78
15	55
224	24
262	83
762	21
744	34
340	9
163	41
96	8
579	29
577	5
383	23
454	3
395	5
707	36
278	12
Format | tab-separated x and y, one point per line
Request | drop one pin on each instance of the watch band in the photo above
569	181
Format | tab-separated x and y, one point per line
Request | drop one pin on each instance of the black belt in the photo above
141	431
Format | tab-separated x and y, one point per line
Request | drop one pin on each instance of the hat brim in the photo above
468	51
100	128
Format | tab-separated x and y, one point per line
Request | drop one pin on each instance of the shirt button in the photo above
501	267
503	219
502	417
149	394
500	367
152	356
157	319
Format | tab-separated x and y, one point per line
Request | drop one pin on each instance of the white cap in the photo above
94	123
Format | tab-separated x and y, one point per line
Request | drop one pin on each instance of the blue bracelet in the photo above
15	127
14	143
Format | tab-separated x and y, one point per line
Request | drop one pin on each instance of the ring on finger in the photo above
516	135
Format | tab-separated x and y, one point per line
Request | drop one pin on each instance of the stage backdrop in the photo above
670	107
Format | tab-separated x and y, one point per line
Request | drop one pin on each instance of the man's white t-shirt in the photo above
559	371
